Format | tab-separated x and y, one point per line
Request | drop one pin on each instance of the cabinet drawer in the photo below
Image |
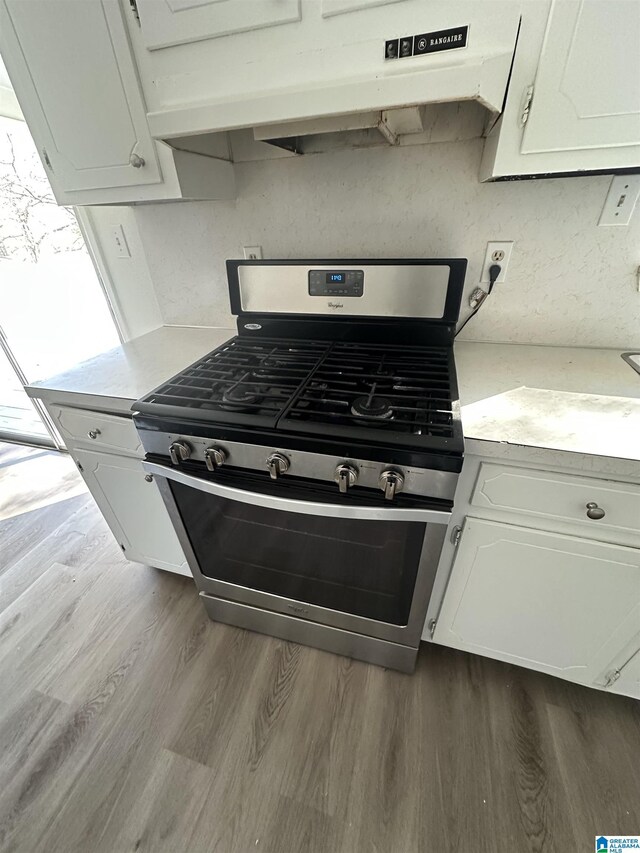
97	429
560	496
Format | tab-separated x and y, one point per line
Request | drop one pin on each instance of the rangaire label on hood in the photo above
401	48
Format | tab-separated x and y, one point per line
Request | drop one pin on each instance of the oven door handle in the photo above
362	513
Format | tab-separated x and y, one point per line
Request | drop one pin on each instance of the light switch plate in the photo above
120	242
620	200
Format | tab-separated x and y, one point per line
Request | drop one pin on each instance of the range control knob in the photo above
345	476
277	464
391	482
214	457
179	452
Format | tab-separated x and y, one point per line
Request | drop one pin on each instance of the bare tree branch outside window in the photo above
27	229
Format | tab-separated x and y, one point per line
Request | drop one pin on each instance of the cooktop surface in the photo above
407	394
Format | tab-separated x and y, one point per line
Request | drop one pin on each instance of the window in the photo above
53	309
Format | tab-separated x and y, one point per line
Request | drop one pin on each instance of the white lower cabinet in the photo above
133	508
551	602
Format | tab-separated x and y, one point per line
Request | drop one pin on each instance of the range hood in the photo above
344	72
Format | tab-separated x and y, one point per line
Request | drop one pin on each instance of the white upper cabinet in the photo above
71	79
72	69
574	98
587	89
169	22
230	64
339	7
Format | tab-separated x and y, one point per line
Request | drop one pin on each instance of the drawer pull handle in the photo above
93	433
594	511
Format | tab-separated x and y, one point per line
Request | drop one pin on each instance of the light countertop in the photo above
485	370
555	399
555	406
113	380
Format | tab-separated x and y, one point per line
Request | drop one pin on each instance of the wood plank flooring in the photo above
130	722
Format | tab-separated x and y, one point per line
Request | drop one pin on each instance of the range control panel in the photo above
336	282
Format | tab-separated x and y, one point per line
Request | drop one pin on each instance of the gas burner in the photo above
372	407
262	373
239	398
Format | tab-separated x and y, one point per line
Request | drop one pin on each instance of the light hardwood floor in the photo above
130	722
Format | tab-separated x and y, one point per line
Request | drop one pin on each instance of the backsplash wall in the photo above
569	282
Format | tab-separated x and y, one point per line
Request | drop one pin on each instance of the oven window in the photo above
367	568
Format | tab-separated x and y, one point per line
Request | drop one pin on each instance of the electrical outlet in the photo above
497	253
620	201
252	253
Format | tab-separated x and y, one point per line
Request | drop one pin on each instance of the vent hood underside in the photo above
479	78
402	126
405	126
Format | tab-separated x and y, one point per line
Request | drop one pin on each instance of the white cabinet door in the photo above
340	7
133	508
587	87
71	66
169	22
555	603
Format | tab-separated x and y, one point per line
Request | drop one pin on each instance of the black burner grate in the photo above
397	394
375	387
249	378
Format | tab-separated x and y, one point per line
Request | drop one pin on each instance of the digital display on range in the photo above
336	282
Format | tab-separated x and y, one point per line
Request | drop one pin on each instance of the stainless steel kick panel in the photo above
314	466
415	291
369	649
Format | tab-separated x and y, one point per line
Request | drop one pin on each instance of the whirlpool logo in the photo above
302	611
335	304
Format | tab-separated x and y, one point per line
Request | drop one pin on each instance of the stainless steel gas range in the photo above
309	464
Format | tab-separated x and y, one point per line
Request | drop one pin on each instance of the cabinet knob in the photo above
594	511
136	161
149	478
93	433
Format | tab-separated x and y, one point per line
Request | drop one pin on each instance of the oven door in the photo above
284	547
